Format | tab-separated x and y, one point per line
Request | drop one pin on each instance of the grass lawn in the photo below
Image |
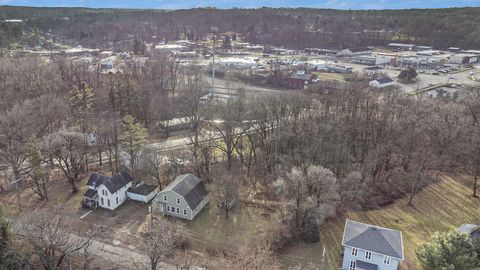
326	76
441	206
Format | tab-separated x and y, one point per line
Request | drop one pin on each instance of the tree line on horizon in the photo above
294	28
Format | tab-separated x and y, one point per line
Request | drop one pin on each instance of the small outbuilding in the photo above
381	83
142	192
471	230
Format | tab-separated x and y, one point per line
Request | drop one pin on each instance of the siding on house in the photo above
376	259
369	247
112	201
180	196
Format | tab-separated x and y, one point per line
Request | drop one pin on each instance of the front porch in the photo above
90	199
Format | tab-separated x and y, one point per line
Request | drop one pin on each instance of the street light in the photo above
213	37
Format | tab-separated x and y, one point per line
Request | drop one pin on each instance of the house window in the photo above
353	265
116	199
178	210
164	198
354	251
368	255
178	200
387	259
173	209
101	201
184	212
108	202
168	208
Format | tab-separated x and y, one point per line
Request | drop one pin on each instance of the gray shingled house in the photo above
369	247
185	197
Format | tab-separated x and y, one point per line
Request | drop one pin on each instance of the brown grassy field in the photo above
443	205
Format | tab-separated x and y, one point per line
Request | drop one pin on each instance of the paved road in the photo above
122	256
424	80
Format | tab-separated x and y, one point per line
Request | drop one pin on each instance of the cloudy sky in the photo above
177	4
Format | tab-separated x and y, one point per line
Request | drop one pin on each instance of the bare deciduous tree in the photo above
161	239
54	236
65	150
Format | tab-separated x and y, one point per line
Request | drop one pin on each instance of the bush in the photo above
310	232
448	250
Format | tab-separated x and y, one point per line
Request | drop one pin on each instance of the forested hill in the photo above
296	28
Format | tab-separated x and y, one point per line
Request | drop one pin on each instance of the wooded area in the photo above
290	27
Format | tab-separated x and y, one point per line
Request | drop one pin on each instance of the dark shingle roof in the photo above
366	266
91	193
96	180
142	189
113	183
376	239
384	80
118	181
190	188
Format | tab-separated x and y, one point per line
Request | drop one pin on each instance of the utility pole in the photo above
213	37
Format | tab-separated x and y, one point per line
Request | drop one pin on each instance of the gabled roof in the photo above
113	184
96	179
90	193
372	238
384	80
190	188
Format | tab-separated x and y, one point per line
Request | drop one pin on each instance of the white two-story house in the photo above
107	192
368	247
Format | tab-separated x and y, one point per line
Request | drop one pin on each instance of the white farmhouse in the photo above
111	192
107	192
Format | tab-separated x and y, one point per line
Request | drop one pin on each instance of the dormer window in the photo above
368	255
354	251
387	260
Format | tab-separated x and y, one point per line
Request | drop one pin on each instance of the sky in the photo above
181	4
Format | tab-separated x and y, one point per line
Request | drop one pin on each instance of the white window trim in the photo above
368	255
355	252
387	260
353	265
185	212
165	198
178	200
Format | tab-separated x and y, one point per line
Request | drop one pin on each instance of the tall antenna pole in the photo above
213	36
